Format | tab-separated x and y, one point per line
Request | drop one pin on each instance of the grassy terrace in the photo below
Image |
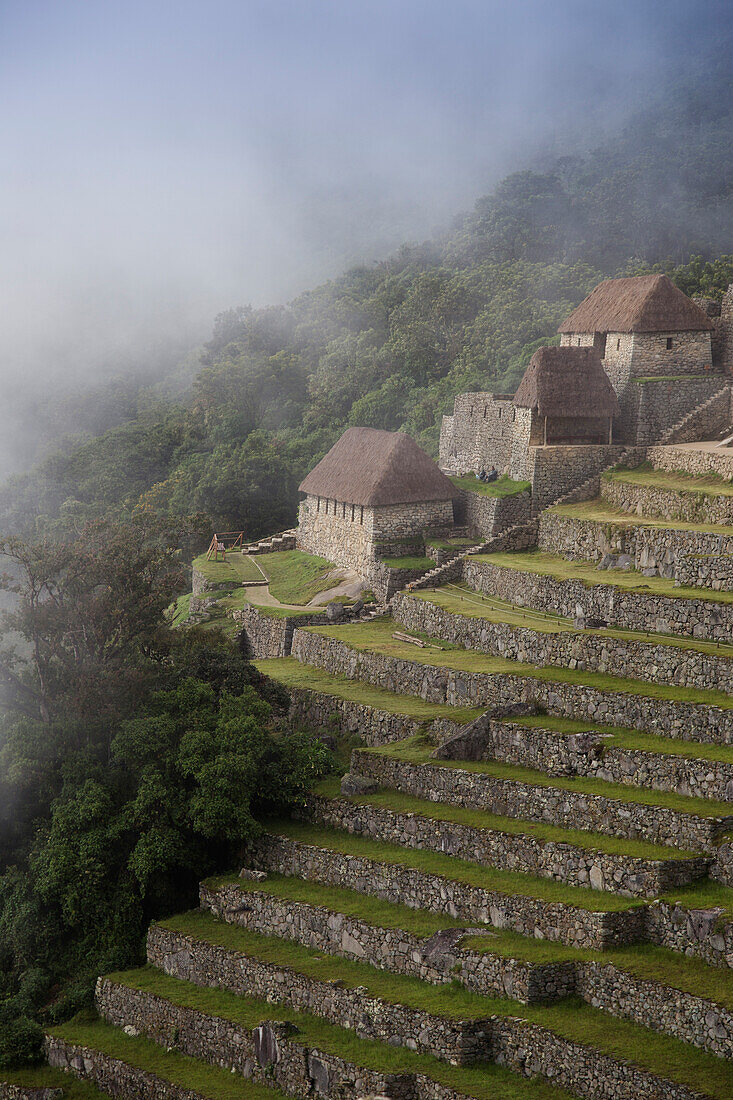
486	1082
188	1073
43	1077
622	738
502	487
376	637
552	565
710	484
644	962
598	511
572	1019
481	819
415	750
291	673
294	577
461	600
237	569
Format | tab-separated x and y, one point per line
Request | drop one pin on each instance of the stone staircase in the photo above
284	540
705	421
532	899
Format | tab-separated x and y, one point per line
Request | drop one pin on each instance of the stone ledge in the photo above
26	1092
687	505
437	959
112	1075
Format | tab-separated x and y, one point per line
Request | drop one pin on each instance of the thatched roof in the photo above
567	382
645	303
372	467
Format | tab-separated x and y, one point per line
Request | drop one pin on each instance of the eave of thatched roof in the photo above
371	467
567	382
644	303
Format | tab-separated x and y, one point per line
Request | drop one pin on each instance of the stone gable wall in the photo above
672	664
393	882
437	960
482	432
511	798
668	718
696	618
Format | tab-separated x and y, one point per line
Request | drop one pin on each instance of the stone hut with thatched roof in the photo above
570	397
373	489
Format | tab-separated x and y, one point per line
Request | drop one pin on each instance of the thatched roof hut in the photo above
376	468
644	303
567	382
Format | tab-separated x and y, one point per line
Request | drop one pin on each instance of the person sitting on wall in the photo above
479	476
492	474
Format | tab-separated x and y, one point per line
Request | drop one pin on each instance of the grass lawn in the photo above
572	1019
291	673
502	487
552	565
187	1073
539	831
450	544
414	750
178	612
237	569
43	1077
296	577
376	637
487	1082
710	484
408	562
622	738
461	600
491	879
598	511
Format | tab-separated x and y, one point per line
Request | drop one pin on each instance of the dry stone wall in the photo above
689	505
555	471
490	515
634	610
651	406
575	866
703	933
25	1092
207	964
667	717
111	1075
693	462
511	798
436	960
575	649
561	923
375	727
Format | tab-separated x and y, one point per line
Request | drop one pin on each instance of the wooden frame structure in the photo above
227	540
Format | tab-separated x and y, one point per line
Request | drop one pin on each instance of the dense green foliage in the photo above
133	761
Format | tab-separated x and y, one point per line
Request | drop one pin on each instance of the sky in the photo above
163	161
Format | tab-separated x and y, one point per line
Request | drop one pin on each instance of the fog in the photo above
164	161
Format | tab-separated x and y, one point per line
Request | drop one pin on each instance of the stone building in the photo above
373	492
656	348
570	397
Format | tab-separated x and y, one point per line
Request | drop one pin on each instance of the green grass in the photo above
552	565
491	879
623	738
645	379
43	1077
572	1019
296	577
598	511
539	831
291	673
450	544
644	962
237	569
502	487
178	612
486	1082
706	484
461	600
188	1073
414	750
376	637
422	564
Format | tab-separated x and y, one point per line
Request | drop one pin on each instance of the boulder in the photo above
358	784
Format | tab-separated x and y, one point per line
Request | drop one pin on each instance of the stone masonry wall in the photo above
689	505
517	1044
112	1076
436	960
693	462
568	863
480	433
653	406
490	515
561	923
694	618
574	649
699	932
697	558
556	470
511	798
668	718
375	727
25	1092
207	964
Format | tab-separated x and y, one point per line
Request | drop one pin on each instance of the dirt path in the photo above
350	585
